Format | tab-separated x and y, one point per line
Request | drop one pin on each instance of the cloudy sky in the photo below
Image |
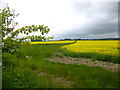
69	18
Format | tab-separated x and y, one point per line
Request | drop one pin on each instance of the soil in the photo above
90	62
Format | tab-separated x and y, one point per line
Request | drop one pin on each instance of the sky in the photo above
88	19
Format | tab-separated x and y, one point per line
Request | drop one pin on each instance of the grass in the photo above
20	71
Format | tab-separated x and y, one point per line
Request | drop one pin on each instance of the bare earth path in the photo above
90	62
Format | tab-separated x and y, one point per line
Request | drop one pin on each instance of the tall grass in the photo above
24	72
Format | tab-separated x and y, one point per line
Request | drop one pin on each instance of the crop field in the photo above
31	69
102	47
103	50
51	42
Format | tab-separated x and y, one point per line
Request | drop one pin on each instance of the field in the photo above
99	50
101	47
51	42
30	69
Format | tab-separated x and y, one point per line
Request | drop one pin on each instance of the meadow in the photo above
30	69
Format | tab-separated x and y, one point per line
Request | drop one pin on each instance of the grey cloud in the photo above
102	20
96	28
87	36
92	9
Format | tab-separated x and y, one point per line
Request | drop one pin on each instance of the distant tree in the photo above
67	39
9	34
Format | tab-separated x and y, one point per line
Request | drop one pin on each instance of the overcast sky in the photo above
69	18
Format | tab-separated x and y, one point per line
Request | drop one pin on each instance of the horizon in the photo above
67	39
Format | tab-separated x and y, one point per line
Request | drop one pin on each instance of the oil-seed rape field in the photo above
102	47
51	42
95	49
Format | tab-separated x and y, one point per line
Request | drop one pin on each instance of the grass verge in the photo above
23	72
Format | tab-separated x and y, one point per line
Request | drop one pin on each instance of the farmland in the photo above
51	42
102	47
30	69
100	50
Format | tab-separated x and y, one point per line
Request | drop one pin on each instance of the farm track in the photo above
61	80
89	62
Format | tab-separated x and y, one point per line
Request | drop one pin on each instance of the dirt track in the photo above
90	62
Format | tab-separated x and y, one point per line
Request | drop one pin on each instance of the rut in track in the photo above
90	62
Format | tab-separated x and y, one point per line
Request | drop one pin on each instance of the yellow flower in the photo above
103	47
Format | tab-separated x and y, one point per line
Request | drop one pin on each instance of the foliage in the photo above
10	45
9	34
30	29
8	23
